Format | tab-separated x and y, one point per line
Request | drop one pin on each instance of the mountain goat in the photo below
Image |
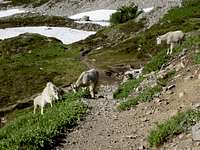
49	94
171	38
87	79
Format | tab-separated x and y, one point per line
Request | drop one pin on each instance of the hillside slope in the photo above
145	113
67	8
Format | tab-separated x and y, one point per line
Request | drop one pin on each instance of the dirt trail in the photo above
107	129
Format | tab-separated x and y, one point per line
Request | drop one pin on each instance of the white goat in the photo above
49	94
171	38
87	79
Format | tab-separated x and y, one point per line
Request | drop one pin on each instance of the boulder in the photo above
196	132
85	18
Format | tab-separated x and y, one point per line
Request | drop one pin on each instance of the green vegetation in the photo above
34	3
44	20
195	42
124	90
174	126
36	131
124	14
126	47
146	96
28	61
34	20
156	62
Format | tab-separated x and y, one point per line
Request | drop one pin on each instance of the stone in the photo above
144	119
196	105
157	100
3	120
181	136
180	95
85	18
169	92
196	132
171	87
142	147
188	77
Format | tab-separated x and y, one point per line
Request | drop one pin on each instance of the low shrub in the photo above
124	90
173	126
124	14
145	96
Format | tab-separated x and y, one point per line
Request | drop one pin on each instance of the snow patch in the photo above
10	12
149	9
96	15
66	35
101	17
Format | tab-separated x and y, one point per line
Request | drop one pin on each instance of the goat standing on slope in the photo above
171	38
49	94
87	79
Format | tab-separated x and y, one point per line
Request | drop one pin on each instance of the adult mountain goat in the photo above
87	79
171	38
50	93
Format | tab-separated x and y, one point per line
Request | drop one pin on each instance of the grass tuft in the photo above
36	131
146	96
124	90
173	126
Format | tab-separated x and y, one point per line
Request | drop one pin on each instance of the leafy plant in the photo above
173	126
124	90
145	96
124	14
36	131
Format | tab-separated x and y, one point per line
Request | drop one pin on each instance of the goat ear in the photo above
48	84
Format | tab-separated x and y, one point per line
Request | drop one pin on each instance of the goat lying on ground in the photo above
171	38
87	79
49	94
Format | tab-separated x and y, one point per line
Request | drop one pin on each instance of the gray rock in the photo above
196	132
85	18
171	87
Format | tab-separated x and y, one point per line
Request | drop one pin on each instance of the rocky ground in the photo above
67	8
105	128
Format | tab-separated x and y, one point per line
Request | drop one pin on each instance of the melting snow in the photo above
66	35
101	16
97	15
10	12
146	10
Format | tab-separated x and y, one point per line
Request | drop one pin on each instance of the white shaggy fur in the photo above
87	79
171	38
49	94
